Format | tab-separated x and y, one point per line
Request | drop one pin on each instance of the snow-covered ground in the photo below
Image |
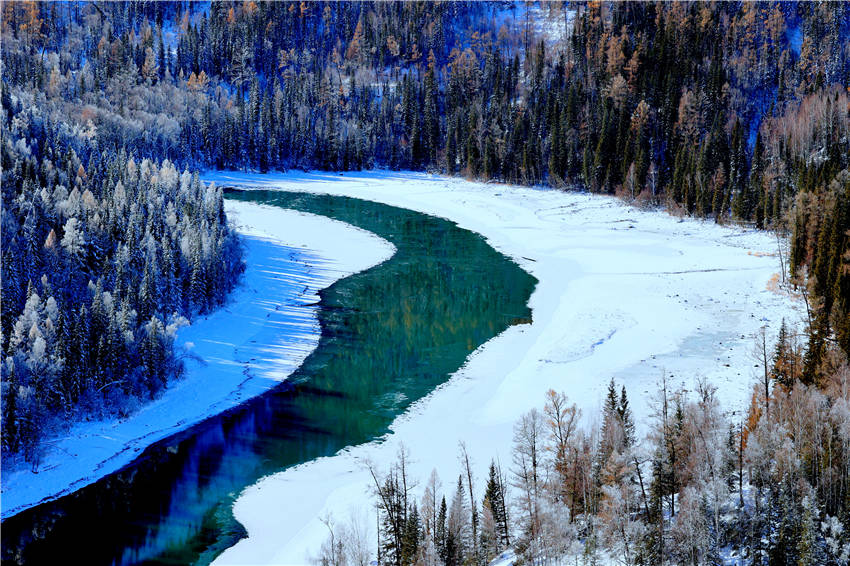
263	333
623	293
554	24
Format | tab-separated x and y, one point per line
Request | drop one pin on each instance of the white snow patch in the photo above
553	23
622	292
263	333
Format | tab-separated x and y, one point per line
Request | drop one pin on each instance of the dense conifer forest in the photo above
104	255
734	112
101	265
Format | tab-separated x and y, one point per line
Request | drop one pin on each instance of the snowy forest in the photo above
105	256
700	488
733	112
727	111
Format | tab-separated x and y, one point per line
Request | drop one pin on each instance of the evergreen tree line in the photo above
102	261
700	487
731	111
642	97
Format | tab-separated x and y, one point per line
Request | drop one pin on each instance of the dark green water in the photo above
390	335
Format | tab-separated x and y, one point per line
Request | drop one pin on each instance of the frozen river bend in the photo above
389	335
263	333
616	293
622	293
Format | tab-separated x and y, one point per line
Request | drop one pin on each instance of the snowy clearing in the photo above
623	293
263	333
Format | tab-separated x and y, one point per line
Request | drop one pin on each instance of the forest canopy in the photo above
731	111
735	112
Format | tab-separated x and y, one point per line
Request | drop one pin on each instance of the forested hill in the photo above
734	111
104	255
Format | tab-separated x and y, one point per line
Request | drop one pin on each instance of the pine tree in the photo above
431	126
782	359
197	294
806	542
9	409
411	537
624	413
441	532
610	437
494	503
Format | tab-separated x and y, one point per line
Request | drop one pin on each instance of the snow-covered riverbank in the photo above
257	339
623	293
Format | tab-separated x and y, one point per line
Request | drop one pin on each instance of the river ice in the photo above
623	293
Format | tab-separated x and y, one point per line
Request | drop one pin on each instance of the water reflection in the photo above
389	336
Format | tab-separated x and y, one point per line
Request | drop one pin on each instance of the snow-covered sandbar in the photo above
623	293
263	333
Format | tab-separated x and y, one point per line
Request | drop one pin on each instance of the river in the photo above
390	335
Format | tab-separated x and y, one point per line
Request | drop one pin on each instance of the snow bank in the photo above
262	334
623	293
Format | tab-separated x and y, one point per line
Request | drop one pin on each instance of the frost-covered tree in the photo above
91	281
